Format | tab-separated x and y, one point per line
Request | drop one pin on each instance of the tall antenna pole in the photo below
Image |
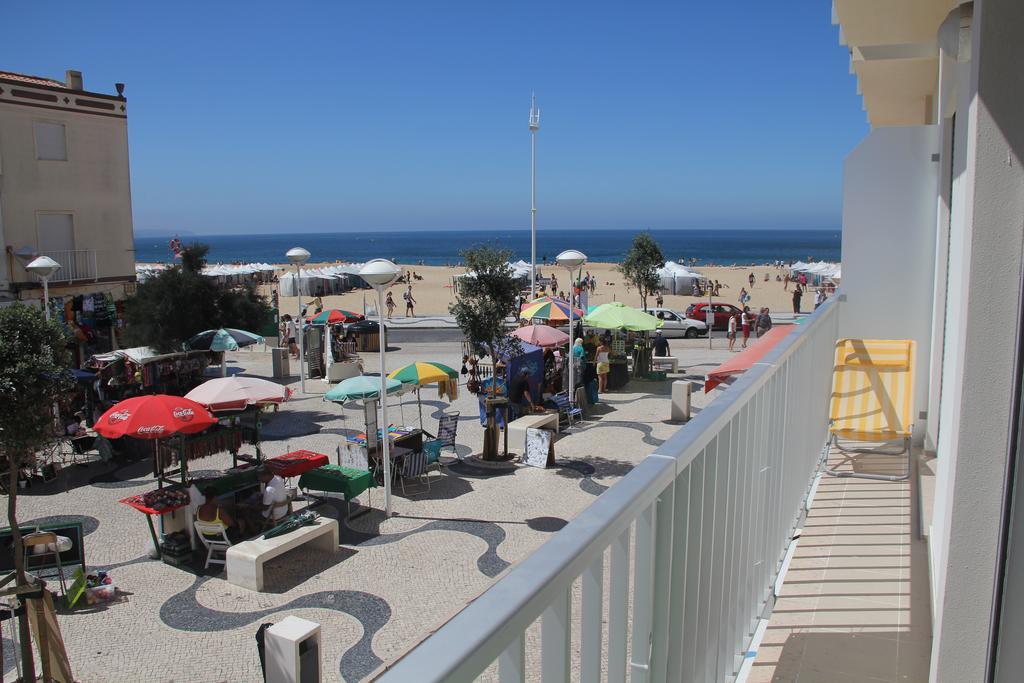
534	127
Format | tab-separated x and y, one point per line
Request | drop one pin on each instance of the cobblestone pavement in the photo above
393	580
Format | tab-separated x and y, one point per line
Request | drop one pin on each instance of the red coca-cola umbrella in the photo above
154	417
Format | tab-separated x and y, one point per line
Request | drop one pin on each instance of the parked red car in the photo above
722	313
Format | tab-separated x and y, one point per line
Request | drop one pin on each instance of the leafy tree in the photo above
33	376
483	304
180	302
641	264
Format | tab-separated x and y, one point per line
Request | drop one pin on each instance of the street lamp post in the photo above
534	127
299	256
571	260
44	267
380	273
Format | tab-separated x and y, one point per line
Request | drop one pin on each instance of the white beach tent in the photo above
676	278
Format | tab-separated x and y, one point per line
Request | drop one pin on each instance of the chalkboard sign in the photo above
352	455
539	448
69	558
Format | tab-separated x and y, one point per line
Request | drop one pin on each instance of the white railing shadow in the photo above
692	541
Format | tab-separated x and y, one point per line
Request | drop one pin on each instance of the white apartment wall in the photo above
93	185
983	323
889	184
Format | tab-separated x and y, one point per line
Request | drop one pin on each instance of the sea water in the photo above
442	247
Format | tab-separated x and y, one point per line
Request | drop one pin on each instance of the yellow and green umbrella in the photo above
549	308
420	373
423	372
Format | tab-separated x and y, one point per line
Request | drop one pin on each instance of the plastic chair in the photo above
50	551
214	538
872	400
447	428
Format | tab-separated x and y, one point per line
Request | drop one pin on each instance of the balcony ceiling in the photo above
894	55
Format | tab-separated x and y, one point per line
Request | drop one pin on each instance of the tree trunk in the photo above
28	664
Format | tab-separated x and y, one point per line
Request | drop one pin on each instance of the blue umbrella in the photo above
361	387
222	340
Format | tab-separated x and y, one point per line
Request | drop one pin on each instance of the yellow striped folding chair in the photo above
872	401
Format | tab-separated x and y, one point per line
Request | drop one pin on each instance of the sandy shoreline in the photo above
434	293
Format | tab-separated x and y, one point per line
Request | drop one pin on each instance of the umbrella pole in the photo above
419	403
223	363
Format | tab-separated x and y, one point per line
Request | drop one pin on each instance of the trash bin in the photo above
680	411
279	357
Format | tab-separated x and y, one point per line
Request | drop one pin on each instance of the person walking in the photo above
751	279
763	324
819	298
731	331
659	300
409	303
797	293
603	359
745	321
390	303
785	282
290	335
318	304
660	344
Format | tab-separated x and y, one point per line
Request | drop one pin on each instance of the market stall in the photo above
618	317
142	370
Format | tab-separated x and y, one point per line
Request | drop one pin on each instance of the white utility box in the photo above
680	401
292	648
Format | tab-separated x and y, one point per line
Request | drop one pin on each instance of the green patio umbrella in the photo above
361	387
615	315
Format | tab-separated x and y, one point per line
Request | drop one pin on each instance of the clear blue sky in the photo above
296	116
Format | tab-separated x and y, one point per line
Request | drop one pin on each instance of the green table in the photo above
347	481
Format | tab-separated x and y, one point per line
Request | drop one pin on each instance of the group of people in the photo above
410	303
746	321
264	509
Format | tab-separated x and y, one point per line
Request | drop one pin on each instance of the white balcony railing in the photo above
692	541
75	264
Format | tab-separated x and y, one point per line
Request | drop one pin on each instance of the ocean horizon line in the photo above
397	231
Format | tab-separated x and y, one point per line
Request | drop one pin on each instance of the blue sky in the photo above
305	117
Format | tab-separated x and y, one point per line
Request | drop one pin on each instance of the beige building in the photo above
65	188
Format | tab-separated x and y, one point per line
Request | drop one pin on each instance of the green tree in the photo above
482	306
180	302
641	264
33	377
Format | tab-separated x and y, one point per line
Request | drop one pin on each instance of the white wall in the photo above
889	184
93	185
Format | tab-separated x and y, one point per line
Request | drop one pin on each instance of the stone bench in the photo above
517	428
666	360
245	560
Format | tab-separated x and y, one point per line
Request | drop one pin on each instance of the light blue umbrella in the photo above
222	340
361	387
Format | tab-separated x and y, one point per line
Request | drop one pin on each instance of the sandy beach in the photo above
434	292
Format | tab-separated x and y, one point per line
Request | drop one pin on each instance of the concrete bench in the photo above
517	428
245	560
666	360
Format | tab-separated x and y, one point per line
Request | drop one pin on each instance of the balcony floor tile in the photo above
854	604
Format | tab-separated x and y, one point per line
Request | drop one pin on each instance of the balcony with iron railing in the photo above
76	265
668	574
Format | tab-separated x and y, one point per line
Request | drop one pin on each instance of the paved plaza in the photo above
393	581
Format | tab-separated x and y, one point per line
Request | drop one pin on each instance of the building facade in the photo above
65	192
65	185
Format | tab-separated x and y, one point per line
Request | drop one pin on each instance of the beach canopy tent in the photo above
676	278
745	359
616	315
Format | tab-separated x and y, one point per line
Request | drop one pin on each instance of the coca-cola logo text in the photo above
118	416
150	429
183	414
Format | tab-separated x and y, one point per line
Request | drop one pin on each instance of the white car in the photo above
677	324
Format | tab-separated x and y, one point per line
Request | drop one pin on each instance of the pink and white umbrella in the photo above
235	393
542	335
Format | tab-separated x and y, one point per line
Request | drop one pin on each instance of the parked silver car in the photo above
677	324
